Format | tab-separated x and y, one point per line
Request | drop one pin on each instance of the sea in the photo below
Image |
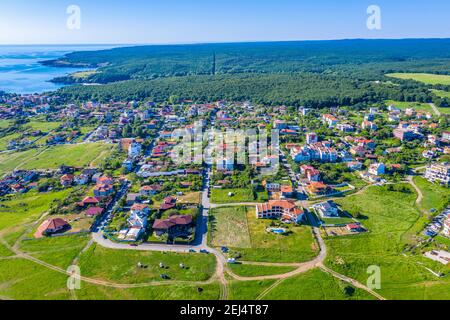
21	71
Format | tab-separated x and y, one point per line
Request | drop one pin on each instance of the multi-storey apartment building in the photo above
439	173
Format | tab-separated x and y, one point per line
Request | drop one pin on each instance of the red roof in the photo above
49	225
94	211
90	200
139	207
172	221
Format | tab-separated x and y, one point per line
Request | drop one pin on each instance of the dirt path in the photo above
220	275
353	282
435	109
419	192
104	283
266	291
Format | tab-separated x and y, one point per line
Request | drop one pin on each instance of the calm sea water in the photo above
21	72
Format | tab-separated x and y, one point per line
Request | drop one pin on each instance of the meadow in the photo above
426	78
434	196
121	266
239	195
390	217
423	107
24	280
248	270
312	285
229	227
23	209
78	155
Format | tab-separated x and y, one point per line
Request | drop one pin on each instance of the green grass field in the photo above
44	126
426	78
58	251
239	195
247	270
4	141
390	217
312	285
316	285
434	196
78	155
24	280
5	124
229	227
424	107
441	93
10	160
26	208
160	292
121	265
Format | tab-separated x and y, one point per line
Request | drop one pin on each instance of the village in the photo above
131	194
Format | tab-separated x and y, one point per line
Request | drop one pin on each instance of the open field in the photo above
4	141
248	270
390	217
78	155
426	78
229	227
26	208
83	74
441	93
121	265
248	290
160	292
58	251
312	285
5	124
423	107
24	280
434	196
4	251
239	195
190	198
44	126
316	285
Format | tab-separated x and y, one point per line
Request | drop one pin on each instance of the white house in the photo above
327	209
377	169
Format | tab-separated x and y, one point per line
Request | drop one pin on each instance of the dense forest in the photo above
315	73
315	90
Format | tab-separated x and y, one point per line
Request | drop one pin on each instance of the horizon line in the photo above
215	42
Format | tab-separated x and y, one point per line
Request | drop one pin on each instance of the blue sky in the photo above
187	21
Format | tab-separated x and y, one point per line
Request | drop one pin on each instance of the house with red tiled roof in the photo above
287	210
90	201
174	226
67	180
94	211
169	203
150	190
103	190
140	209
287	191
317	188
51	226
